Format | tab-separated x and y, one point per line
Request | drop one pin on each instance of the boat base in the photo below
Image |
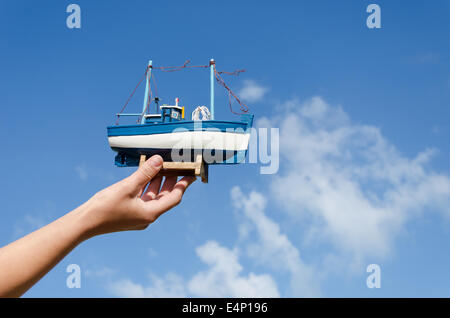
129	157
198	168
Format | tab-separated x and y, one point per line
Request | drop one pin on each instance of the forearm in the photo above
25	261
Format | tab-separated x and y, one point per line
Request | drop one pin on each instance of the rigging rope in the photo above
132	93
154	84
243	107
237	72
178	68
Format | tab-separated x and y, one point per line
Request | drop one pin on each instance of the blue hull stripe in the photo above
163	128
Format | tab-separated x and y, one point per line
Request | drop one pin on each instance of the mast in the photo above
147	84
212	66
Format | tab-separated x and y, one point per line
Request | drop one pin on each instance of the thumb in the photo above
147	171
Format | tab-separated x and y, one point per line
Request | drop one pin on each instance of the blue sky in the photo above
364	127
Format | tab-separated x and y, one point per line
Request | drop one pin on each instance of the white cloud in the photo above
171	285
82	172
152	252
272	247
354	188
222	278
101	272
428	58
252	91
126	288
436	130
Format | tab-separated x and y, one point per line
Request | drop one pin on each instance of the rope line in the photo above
217	74
237	72
132	93
178	68
154	84
244	108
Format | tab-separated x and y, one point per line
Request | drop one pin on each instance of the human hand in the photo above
122	206
125	206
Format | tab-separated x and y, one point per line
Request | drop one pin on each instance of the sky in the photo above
363	117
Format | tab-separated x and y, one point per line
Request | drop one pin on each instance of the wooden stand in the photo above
197	168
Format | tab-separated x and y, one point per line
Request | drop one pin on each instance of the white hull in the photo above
227	141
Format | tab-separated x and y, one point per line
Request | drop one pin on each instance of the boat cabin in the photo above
168	113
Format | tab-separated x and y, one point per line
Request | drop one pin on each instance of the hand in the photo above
125	206
122	206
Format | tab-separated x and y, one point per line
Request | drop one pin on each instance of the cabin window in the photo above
175	114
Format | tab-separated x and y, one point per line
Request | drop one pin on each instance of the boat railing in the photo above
128	114
168	113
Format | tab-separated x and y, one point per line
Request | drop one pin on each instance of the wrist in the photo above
84	221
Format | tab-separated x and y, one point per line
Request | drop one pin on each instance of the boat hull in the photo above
129	157
219	142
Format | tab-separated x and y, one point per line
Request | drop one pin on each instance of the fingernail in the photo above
156	161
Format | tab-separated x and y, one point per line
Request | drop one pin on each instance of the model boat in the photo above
179	139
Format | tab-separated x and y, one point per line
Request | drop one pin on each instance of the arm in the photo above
120	207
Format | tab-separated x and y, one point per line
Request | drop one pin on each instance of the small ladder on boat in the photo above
198	168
